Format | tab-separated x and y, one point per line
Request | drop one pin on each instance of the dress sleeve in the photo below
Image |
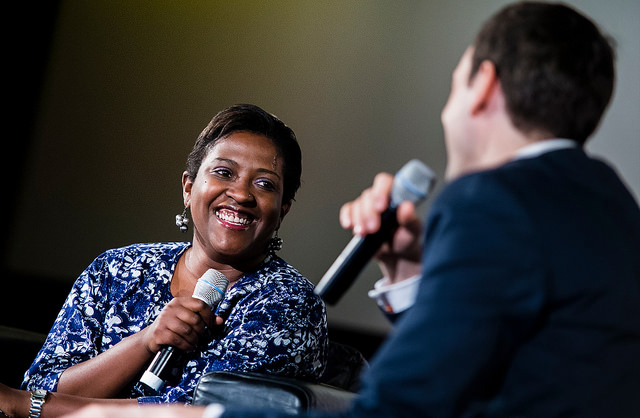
75	334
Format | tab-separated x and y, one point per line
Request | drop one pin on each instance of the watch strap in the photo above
38	397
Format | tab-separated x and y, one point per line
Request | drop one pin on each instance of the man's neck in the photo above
501	152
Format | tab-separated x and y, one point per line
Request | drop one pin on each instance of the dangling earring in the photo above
182	221
275	244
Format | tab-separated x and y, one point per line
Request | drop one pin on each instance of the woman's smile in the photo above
233	219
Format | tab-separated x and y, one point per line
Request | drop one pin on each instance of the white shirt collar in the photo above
540	147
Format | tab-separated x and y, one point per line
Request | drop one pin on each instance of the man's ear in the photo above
187	184
485	84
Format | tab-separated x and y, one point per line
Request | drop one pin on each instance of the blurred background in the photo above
107	97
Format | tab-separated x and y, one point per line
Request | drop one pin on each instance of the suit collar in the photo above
538	148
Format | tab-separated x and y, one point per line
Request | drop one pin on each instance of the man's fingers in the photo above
408	218
381	191
363	214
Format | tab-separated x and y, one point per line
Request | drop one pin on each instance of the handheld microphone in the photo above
412	183
167	363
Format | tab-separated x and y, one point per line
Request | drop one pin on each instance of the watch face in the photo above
40	393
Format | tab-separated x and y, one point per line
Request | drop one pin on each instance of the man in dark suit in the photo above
528	301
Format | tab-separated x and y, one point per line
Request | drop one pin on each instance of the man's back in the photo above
530	298
586	349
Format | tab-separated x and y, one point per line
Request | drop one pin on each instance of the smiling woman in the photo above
236	199
239	184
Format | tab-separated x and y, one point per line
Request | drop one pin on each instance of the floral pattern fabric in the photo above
274	323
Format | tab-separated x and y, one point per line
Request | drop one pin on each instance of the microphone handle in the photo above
163	359
165	367
353	259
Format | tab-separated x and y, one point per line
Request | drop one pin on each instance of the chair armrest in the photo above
261	391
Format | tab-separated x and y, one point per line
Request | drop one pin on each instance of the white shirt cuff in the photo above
396	297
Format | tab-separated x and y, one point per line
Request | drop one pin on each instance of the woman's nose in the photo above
240	191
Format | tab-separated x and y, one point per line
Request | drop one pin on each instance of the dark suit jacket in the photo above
529	303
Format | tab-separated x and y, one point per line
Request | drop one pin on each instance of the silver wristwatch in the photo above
38	396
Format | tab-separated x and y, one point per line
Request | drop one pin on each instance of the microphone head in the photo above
413	183
211	287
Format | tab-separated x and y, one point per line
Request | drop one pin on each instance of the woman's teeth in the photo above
232	217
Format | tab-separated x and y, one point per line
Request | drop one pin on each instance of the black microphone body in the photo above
355	257
412	183
168	363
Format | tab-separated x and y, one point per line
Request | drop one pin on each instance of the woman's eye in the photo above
266	184
222	172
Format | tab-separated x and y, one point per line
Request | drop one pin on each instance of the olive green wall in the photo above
130	84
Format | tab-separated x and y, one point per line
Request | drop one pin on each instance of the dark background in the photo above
105	99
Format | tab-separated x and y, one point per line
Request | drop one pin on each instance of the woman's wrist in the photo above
37	400
15	402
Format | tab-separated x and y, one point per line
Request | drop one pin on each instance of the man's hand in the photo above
400	258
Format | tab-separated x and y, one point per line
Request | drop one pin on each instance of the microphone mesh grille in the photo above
413	183
211	287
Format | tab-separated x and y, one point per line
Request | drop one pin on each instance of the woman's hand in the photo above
400	257
182	323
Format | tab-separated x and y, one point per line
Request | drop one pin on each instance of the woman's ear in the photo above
187	184
284	210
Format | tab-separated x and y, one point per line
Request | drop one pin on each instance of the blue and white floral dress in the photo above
274	323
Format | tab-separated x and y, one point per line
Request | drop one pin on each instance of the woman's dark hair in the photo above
556	69
251	118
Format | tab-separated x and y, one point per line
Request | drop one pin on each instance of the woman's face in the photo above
236	198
